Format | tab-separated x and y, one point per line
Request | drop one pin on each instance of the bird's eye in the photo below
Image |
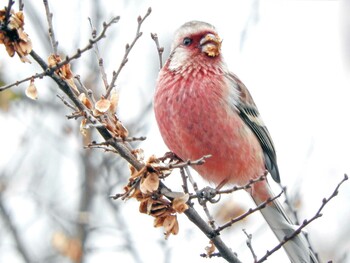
187	41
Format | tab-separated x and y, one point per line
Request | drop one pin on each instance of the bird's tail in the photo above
298	248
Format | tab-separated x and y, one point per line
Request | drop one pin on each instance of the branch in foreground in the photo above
49	70
306	221
249	212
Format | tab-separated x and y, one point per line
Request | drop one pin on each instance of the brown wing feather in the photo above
250	115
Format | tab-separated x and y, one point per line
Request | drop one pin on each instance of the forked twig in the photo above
128	48
305	222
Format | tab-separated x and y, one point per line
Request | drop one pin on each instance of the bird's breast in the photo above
195	119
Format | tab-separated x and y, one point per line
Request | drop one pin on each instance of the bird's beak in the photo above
210	44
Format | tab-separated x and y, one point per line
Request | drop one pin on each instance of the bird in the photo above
202	108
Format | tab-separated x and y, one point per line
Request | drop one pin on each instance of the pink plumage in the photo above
201	108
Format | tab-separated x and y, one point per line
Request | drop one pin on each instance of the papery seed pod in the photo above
31	91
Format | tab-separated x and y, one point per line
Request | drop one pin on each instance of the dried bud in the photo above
210	249
64	71
83	129
12	35
171	226
114	102
159	221
179	203
121	130
150	183
102	105
140	154
31	91
82	97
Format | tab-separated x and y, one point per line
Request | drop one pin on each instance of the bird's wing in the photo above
250	115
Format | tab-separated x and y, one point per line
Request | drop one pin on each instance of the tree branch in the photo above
128	48
306	221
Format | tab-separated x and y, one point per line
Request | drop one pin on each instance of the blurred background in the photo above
294	56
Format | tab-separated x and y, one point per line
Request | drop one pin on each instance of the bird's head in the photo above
194	41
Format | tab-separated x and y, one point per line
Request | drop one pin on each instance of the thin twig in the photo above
305	222
199	161
38	75
105	148
20	5
184	180
243	187
85	89
192	181
249	244
217	191
212	234
160	49
89	46
249	212
49	16
211	220
97	53
48	71
8	13
65	102
127	51
290	206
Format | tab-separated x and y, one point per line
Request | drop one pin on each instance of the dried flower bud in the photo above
159	221
114	102
150	183
83	129
64	71
12	35
121	130
102	105
171	225
210	249
82	97
139	153
179	203
31	91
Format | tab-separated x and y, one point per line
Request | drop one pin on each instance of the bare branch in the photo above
160	49
48	71
249	212
99	59
128	48
49	16
305	222
199	161
65	102
249	244
20	5
244	187
212	234
184	180
38	75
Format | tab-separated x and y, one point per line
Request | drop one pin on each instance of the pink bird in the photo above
202	108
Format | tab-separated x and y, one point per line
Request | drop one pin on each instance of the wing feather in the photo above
251	116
